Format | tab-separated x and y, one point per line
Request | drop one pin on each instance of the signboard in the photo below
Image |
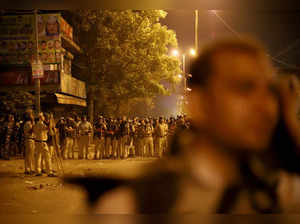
64	99
72	86
17	39
50	77
14	77
49	38
37	69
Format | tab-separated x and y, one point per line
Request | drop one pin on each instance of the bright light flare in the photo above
175	53
180	76
192	52
188	89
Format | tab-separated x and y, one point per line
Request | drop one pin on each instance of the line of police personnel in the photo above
117	138
44	141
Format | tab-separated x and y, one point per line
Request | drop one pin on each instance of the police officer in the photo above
84	130
116	153
136	137
99	137
124	138
60	125
160	136
148	139
40	130
70	132
29	144
108	138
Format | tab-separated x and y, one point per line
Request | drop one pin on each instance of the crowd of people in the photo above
43	140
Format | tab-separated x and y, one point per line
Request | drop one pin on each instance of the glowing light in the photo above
180	76
193	52
175	53
188	89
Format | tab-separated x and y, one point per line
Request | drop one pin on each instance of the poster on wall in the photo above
17	37
18	43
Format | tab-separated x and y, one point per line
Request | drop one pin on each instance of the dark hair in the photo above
202	67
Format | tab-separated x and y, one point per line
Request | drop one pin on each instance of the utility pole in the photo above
184	84
196	29
37	80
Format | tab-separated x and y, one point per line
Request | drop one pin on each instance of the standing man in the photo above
85	131
116	139
70	130
60	125
99	130
124	138
108	138
40	130
148	139
160	136
29	143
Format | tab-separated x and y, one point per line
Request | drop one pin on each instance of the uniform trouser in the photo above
75	146
124	145
149	148
166	144
160	146
116	148
131	150
68	152
99	147
83	144
156	145
29	155
140	146
108	146
42	150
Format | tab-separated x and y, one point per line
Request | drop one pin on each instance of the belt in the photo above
30	138
40	141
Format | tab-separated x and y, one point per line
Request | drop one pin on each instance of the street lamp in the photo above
192	52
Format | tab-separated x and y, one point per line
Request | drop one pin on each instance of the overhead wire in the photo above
239	36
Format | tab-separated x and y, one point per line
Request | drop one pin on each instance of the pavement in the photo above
21	194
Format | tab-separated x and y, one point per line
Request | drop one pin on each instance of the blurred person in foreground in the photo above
243	132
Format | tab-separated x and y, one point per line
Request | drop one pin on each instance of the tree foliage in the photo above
127	57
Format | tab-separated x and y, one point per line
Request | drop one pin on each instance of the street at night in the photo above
149	112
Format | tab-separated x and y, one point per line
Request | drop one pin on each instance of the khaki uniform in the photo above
165	138
84	130
40	130
160	138
99	140
148	140
29	147
70	137
138	140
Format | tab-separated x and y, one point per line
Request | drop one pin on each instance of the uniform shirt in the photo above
148	130
28	130
100	128
160	130
70	129
40	130
85	128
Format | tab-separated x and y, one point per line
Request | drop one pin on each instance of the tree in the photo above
127	56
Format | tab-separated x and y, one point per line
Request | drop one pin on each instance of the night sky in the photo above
279	30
